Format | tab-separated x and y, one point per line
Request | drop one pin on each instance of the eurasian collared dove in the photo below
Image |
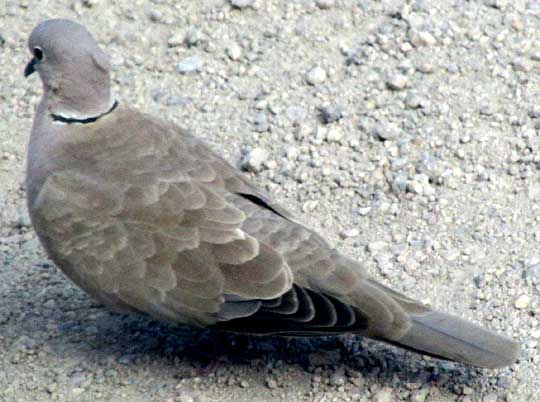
145	217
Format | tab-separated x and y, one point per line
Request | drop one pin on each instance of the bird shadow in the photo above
82	332
192	352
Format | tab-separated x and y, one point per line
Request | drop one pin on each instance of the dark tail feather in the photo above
448	337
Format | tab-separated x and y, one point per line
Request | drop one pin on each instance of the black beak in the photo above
30	67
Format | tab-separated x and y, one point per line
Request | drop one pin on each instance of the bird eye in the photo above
38	53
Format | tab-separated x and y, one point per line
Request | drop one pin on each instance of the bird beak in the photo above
30	67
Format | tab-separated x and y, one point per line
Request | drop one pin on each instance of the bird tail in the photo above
396	319
445	336
448	337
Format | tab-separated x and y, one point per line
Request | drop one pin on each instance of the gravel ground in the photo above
407	132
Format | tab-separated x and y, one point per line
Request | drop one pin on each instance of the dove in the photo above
146	218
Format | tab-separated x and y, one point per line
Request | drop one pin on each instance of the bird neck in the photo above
70	98
83	120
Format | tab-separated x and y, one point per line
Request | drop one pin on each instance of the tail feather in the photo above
445	336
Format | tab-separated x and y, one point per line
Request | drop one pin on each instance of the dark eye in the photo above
38	53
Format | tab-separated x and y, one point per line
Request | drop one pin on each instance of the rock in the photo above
397	82
254	159
242	3
292	153
315	76
415	101
386	131
420	185
77	391
348	233
90	3
383	395
271	383
490	398
522	64
175	40
522	302
325	4
534	112
189	65
261	123
377	246
334	134
331	114
194	37
185	398
296	114
234	51
421	38
310	205
420	395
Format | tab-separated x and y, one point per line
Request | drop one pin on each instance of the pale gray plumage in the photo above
145	217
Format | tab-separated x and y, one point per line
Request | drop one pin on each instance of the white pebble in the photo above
421	38
376	246
325	4
397	82
383	395
522	302
254	160
317	75
234	51
348	233
176	39
189	65
242	3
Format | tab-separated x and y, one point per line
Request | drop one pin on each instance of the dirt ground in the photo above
407	132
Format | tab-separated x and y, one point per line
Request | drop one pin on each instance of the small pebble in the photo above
383	395
185	398
348	233
189	65
234	51
415	101
90	3
521	64
242	3
193	38
377	246
325	4
534	112
261	123
397	82
331	114
176	39
421	38
490	398
254	159
271	383
296	114
420	395
386	131
315	76
522	302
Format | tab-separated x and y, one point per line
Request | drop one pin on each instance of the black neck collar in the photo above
71	120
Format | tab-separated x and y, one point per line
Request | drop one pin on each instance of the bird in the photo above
146	218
